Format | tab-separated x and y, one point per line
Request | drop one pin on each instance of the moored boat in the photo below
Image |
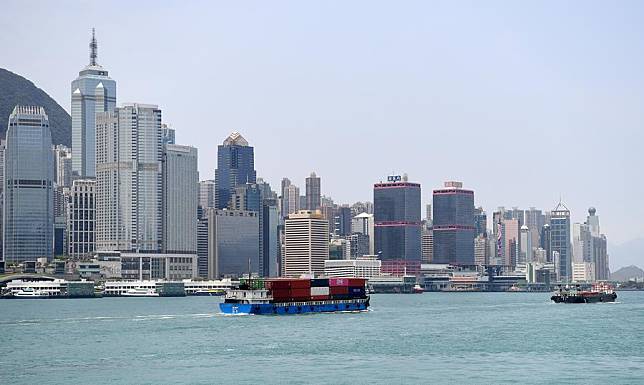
141	292
28	292
297	296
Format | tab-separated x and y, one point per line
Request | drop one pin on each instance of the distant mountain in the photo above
14	89
626	273
626	254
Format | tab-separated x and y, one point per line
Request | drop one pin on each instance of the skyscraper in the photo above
290	200
525	254
535	220
81	218
306	243
397	219
92	92
232	243
206	196
510	237
180	182
167	134
235	166
363	223
129	189
480	221
313	192
28	187
62	166
454	229
560	240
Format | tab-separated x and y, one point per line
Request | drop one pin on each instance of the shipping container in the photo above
333	290
338	281
281	293
278	284
357	282
357	292
301	284
340	296
319	297
320	282
319	291
301	294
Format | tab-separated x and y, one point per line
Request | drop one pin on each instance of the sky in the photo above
524	102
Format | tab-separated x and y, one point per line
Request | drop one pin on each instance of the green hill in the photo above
14	89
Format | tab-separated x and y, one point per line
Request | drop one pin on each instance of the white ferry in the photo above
36	289
141	292
29	292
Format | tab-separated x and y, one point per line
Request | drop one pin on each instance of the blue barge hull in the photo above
293	308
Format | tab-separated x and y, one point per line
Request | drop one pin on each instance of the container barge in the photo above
296	296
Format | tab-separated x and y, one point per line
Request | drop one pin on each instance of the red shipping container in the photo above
338	282
301	284
333	290
301	293
357	282
281	293
278	284
319	297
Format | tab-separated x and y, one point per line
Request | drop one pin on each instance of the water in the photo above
427	338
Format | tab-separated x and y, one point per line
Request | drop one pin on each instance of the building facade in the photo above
397	221
313	192
235	166
180	183
129	189
560	241
92	92
454	229
306	243
233	246
81	218
28	221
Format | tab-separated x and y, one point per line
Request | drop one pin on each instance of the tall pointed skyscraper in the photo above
92	92
235	166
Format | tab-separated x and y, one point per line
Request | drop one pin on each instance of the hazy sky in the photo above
522	101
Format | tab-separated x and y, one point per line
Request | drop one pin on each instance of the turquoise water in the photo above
425	338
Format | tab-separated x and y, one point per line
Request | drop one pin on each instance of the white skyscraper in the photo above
207	194
525	254
129	179
306	243
92	92
62	166
180	181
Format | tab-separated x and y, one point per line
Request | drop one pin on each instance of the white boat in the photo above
29	292
141	292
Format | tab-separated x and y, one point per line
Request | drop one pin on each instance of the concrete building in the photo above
306	243
206	197
427	245
235	166
92	92
560	240
582	243
129	189
535	220
363	223
62	165
202	245
510	236
167	134
454	229
28	222
81	218
583	272
270	242
481	250
525	244
180	183
290	200
313	192
233	245
362	267
397	224
359	245
152	266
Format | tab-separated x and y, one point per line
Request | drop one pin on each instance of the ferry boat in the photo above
141	292
418	289
296	296
29	292
598	293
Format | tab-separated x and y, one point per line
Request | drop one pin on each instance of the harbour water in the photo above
425	338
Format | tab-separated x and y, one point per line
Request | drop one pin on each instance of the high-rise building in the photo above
167	134
454	230
3	146
397	211
235	166
202	245
544	241
359	244
582	243
480	221
81	218
510	235
363	223
313	192
62	166
427	245
28	187
290	199
428	214
593	222
599	252
92	92
206	196
481	250
535	220
342	221
129	189
525	243
560	240
233	246
306	243
180	182
269	240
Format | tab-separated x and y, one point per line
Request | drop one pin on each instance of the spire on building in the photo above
93	49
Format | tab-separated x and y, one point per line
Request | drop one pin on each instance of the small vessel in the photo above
29	292
418	289
598	293
209	292
141	292
297	296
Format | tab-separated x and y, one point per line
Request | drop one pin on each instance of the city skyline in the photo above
619	208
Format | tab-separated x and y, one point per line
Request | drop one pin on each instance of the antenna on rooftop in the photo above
93	49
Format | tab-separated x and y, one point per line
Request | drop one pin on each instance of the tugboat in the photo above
598	293
296	296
